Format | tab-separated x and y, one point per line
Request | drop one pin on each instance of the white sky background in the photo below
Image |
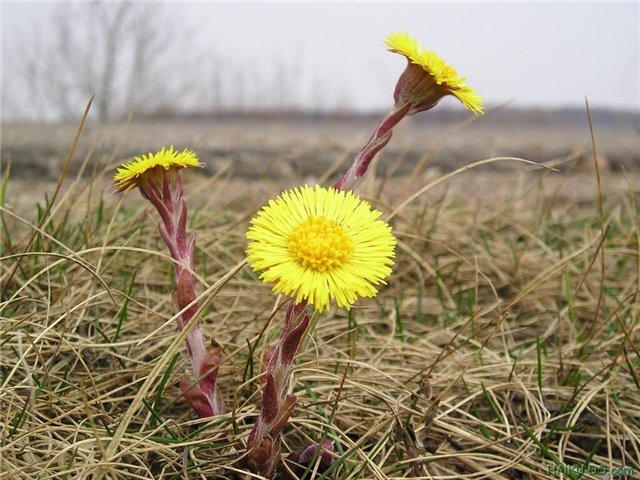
535	54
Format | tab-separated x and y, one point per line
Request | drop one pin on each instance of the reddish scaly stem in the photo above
301	459
377	142
264	442
165	192
277	405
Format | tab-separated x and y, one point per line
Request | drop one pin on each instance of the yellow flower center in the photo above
320	244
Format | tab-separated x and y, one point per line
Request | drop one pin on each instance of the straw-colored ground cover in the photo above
505	345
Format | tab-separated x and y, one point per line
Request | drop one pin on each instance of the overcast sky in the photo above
530	53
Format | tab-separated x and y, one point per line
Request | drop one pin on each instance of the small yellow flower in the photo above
444	78
130	173
319	244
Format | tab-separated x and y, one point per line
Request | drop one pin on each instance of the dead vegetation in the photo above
504	346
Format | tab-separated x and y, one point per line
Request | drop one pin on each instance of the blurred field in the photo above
506	344
288	149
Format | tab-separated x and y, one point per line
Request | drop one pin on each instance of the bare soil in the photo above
275	153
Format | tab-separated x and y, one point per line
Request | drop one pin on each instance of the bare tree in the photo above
142	57
131	55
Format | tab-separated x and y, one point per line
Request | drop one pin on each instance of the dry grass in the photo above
505	344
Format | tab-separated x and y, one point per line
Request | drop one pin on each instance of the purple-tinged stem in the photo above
276	407
303	458
165	192
377	142
264	442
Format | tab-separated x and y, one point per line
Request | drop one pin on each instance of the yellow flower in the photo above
440	79
319	244
129	174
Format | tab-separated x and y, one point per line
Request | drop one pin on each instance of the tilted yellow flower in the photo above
157	176
428	78
319	244
130	173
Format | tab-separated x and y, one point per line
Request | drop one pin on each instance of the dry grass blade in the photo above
45	217
474	362
448	176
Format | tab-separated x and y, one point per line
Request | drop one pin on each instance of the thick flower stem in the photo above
167	197
276	407
264	440
377	142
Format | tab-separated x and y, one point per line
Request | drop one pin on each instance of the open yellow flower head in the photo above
131	173
319	244
428	78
